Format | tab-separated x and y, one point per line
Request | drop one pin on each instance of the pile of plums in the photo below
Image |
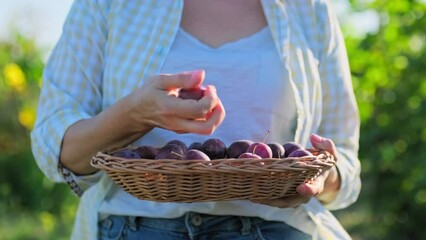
214	148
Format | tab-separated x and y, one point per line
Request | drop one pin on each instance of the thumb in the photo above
187	80
322	143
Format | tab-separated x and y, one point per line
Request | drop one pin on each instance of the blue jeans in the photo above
195	226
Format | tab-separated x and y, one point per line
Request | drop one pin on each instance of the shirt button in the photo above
196	220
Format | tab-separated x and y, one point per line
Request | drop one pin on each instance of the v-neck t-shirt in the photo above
255	91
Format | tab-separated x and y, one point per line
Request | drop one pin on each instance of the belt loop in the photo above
132	223
245	225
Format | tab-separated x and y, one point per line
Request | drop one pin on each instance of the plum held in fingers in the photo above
237	148
261	149
214	148
193	93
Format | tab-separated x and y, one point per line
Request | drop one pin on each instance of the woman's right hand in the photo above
156	104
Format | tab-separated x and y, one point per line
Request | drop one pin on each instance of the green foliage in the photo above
389	75
25	194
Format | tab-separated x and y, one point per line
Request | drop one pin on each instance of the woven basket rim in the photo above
104	161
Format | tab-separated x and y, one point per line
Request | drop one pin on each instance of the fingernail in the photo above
316	137
212	88
316	140
197	74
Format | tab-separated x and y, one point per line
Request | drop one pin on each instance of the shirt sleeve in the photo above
72	81
340	118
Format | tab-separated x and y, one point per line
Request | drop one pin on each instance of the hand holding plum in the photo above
157	104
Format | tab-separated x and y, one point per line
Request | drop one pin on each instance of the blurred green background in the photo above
388	67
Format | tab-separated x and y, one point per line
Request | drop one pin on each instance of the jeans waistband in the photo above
196	222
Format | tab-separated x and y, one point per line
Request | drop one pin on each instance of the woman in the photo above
273	65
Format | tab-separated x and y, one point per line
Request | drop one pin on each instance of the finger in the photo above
180	132
189	108
194	109
210	92
310	189
189	80
204	127
214	119
210	98
323	144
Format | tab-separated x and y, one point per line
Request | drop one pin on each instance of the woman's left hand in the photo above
324	187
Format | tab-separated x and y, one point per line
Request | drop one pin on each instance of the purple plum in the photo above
178	142
237	148
170	151
214	148
147	152
290	147
261	149
193	93
127	153
277	149
194	154
196	145
300	153
249	155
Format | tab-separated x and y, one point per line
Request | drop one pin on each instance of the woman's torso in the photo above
255	90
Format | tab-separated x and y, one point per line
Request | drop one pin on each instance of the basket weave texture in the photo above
171	180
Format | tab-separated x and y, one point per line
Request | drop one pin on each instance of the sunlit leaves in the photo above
47	220
14	77
389	69
27	117
420	197
30	209
21	69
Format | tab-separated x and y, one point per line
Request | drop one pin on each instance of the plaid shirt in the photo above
103	41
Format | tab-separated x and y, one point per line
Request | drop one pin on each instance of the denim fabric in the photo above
195	226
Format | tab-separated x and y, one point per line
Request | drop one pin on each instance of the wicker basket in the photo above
216	180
